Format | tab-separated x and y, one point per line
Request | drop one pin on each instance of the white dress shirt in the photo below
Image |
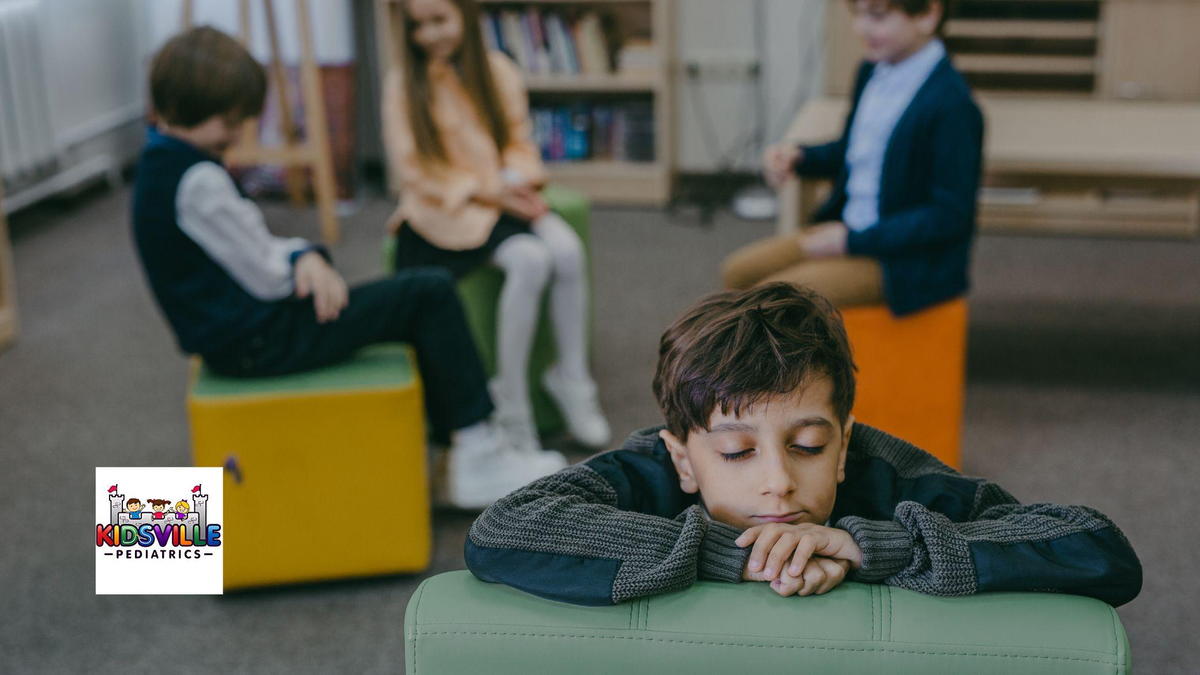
884	99
231	230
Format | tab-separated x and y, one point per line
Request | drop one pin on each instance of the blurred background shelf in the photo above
1127	49
597	69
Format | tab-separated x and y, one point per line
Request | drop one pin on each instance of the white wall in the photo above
331	20
95	56
93	88
720	37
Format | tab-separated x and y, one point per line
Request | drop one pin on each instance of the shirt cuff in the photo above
295	255
720	558
886	546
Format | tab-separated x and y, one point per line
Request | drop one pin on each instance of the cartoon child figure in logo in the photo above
134	508
181	510
159	506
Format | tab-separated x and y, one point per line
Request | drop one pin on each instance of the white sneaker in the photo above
580	407
479	474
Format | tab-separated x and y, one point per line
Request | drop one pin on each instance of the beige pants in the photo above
845	281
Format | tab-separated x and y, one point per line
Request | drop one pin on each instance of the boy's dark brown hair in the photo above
132	501
733	349
915	7
203	72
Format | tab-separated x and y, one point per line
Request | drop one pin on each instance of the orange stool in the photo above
911	373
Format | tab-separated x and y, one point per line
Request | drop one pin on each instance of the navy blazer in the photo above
927	192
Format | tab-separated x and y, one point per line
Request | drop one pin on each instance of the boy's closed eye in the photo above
735	455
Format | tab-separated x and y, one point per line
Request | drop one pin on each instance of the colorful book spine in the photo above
616	132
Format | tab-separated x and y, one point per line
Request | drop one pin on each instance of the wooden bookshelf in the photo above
1106	49
8	290
604	181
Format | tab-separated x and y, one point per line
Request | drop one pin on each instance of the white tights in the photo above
554	254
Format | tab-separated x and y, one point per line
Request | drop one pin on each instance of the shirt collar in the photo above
922	61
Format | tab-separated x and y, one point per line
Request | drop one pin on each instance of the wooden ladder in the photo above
294	155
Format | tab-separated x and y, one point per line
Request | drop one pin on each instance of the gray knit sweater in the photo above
617	527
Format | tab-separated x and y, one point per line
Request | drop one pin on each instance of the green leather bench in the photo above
480	293
457	624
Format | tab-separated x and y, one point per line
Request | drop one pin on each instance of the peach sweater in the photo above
451	204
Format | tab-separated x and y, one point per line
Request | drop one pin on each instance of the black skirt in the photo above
412	250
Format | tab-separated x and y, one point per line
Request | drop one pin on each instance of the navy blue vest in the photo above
206	308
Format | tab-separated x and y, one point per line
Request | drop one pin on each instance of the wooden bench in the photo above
1058	166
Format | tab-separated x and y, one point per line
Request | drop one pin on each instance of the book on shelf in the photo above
622	132
553	42
637	55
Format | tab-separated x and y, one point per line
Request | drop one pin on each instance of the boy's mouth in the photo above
780	518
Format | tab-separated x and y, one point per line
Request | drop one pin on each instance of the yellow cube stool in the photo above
911	373
325	471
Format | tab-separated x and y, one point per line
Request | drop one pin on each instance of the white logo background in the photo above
161	576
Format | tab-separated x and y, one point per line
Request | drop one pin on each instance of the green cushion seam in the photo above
891	650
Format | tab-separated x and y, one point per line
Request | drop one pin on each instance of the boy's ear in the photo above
683	466
933	14
848	428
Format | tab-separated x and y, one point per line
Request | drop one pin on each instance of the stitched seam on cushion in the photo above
417	629
891	616
875	633
739	644
1112	615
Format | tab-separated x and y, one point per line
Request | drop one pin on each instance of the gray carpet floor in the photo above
1084	387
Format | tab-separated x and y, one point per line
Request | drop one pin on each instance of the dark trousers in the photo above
419	306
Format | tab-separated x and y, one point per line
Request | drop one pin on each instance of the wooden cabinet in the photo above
1151	50
1108	49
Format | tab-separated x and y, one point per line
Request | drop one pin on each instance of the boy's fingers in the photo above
762	546
785	586
835	573
804	551
814	576
319	303
780	553
744	539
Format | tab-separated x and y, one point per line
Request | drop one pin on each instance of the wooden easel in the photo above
314	152
8	282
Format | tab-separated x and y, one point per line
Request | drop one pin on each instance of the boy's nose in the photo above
778	480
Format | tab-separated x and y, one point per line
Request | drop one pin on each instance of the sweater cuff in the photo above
720	558
886	547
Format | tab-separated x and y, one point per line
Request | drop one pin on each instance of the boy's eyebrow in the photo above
750	428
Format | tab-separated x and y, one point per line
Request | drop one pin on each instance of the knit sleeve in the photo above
564	537
997	544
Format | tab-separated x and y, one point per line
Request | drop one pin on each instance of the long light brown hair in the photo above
471	62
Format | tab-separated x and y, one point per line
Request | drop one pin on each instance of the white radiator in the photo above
27	144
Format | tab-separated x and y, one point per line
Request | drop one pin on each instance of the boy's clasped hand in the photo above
799	559
317	278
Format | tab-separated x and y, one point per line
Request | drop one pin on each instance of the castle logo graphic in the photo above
158	530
